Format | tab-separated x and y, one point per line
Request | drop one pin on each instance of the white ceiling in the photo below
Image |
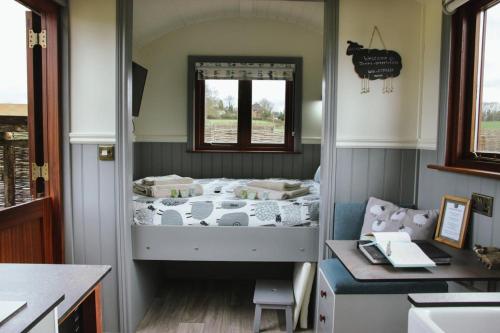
154	18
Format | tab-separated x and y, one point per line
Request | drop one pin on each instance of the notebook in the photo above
373	254
399	250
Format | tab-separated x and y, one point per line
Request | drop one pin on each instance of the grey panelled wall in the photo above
94	222
389	174
434	184
162	158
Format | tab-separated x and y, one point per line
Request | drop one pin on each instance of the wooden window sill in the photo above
245	151
466	171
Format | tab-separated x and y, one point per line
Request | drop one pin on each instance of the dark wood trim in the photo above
45	116
465	171
196	107
466	47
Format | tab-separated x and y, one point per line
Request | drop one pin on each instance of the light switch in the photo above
106	152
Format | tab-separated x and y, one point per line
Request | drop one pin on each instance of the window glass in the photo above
268	111
221	111
487	135
14	156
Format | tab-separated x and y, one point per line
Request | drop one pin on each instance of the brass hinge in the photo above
38	171
37	39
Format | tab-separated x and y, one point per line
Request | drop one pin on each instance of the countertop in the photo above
44	287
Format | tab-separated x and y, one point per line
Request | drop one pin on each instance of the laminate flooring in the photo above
217	306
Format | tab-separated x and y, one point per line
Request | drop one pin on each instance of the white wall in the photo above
92	70
408	116
163	114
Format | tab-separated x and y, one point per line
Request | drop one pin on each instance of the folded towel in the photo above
168	191
176	190
246	192
166	180
275	184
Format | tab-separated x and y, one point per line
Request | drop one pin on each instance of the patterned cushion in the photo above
384	216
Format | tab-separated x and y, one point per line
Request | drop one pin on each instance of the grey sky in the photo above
272	90
13	56
491	85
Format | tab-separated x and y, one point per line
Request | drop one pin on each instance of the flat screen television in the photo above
139	75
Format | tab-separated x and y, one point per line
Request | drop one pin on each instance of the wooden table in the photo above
464	266
73	287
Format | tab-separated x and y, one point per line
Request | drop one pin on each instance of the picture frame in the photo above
453	221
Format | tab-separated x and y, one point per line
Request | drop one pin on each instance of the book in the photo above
398	249
373	254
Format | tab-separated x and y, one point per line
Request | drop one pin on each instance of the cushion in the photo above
348	220
317	175
382	215
342	282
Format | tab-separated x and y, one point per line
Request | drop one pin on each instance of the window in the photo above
245	103
473	135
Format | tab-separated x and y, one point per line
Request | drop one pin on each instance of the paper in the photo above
400	250
452	221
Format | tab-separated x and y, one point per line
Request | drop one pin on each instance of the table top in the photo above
464	266
44	287
454	299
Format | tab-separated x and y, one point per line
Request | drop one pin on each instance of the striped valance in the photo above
244	71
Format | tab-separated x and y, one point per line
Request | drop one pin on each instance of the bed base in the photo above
253	244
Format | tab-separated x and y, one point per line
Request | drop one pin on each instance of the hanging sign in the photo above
375	64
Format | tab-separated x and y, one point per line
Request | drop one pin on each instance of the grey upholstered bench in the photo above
273	294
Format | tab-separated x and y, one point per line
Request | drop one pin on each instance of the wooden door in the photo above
33	231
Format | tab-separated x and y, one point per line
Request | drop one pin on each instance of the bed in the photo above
218	226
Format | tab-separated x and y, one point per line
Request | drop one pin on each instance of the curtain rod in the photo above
450	6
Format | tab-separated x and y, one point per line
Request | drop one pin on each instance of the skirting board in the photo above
253	244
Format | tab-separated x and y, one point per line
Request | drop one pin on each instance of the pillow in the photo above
317	175
382	215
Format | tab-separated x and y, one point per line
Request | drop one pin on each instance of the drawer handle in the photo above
323	294
322	318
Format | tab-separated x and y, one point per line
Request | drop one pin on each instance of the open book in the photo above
398	248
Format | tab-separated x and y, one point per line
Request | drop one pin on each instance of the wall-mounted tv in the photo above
139	75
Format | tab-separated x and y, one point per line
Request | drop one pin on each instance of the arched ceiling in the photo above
154	18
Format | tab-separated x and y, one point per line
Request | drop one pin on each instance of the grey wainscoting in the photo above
162	158
434	184
94	222
389	174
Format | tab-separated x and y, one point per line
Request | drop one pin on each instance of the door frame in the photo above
49	12
128	275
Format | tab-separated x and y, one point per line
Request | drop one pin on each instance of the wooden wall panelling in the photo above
26	234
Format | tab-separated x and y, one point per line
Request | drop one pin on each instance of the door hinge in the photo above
35	38
38	171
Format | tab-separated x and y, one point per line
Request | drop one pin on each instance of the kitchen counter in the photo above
45	287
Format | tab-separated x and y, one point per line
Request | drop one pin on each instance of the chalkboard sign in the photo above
374	64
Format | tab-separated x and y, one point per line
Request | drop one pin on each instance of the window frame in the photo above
196	109
467	50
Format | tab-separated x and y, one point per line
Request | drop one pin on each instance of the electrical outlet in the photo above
482	204
106	152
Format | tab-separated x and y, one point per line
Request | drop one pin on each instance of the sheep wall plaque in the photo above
375	64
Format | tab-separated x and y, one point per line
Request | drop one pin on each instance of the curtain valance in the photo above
244	71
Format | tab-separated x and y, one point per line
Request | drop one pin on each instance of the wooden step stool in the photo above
273	294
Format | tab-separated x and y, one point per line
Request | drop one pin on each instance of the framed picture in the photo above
453	221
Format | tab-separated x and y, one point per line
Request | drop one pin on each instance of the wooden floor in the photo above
208	307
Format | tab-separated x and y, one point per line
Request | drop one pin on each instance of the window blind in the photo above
244	71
